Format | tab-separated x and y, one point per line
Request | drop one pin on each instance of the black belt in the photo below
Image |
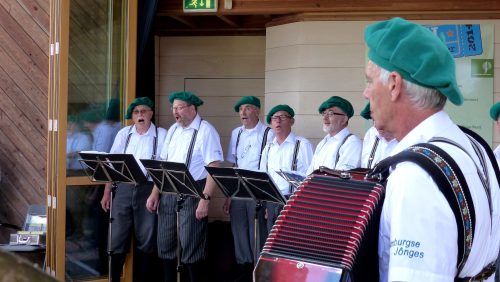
481	276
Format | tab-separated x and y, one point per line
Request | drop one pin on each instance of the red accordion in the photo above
327	231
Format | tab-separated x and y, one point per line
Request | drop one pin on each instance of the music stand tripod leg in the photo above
256	233
180	201
110	229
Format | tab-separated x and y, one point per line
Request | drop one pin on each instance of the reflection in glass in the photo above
78	140
95	103
86	233
96	72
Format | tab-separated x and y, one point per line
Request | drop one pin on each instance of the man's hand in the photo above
106	200
227	206
153	200
202	210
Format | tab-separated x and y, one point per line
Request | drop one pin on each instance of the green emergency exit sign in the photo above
200	5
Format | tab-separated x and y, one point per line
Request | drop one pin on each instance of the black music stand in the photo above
174	178
248	185
114	168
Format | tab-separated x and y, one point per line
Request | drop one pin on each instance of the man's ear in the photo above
395	84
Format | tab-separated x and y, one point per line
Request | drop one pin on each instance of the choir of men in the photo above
406	93
254	146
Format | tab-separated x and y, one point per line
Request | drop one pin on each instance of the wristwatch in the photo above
206	197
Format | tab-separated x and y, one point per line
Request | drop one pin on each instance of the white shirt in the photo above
248	152
76	142
417	212
206	149
382	150
497	154
141	146
276	157
327	150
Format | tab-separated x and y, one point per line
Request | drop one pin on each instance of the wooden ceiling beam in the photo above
184	21
375	16
261	7
228	21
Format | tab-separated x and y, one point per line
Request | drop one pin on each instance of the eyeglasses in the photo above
180	108
331	113
142	112
281	117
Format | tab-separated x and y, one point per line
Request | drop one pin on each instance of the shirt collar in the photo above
340	135
291	138
432	126
256	128
151	130
195	124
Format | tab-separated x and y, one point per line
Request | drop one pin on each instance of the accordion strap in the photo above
450	181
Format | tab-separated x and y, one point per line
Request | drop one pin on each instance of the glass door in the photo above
92	78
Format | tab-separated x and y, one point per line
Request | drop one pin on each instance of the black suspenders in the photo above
191	144
295	157
191	147
373	151
236	149
294	161
262	146
155	141
337	157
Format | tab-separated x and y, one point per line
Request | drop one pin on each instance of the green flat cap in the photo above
92	115
137	102
278	108
414	52
186	97
113	110
365	112
336	101
251	100
494	111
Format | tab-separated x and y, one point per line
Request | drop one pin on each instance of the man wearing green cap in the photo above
410	75
194	142
377	144
142	139
245	150
287	152
340	149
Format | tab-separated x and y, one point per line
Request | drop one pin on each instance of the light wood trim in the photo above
50	138
131	50
130	91
62	106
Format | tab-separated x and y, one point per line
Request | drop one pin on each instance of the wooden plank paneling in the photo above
24	42
24	28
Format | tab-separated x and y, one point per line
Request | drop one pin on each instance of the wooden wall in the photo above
220	70
24	37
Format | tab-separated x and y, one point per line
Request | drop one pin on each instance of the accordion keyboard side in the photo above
329	222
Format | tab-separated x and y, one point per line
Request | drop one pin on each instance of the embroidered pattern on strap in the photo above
459	194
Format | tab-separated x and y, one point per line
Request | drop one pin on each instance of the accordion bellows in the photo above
327	231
